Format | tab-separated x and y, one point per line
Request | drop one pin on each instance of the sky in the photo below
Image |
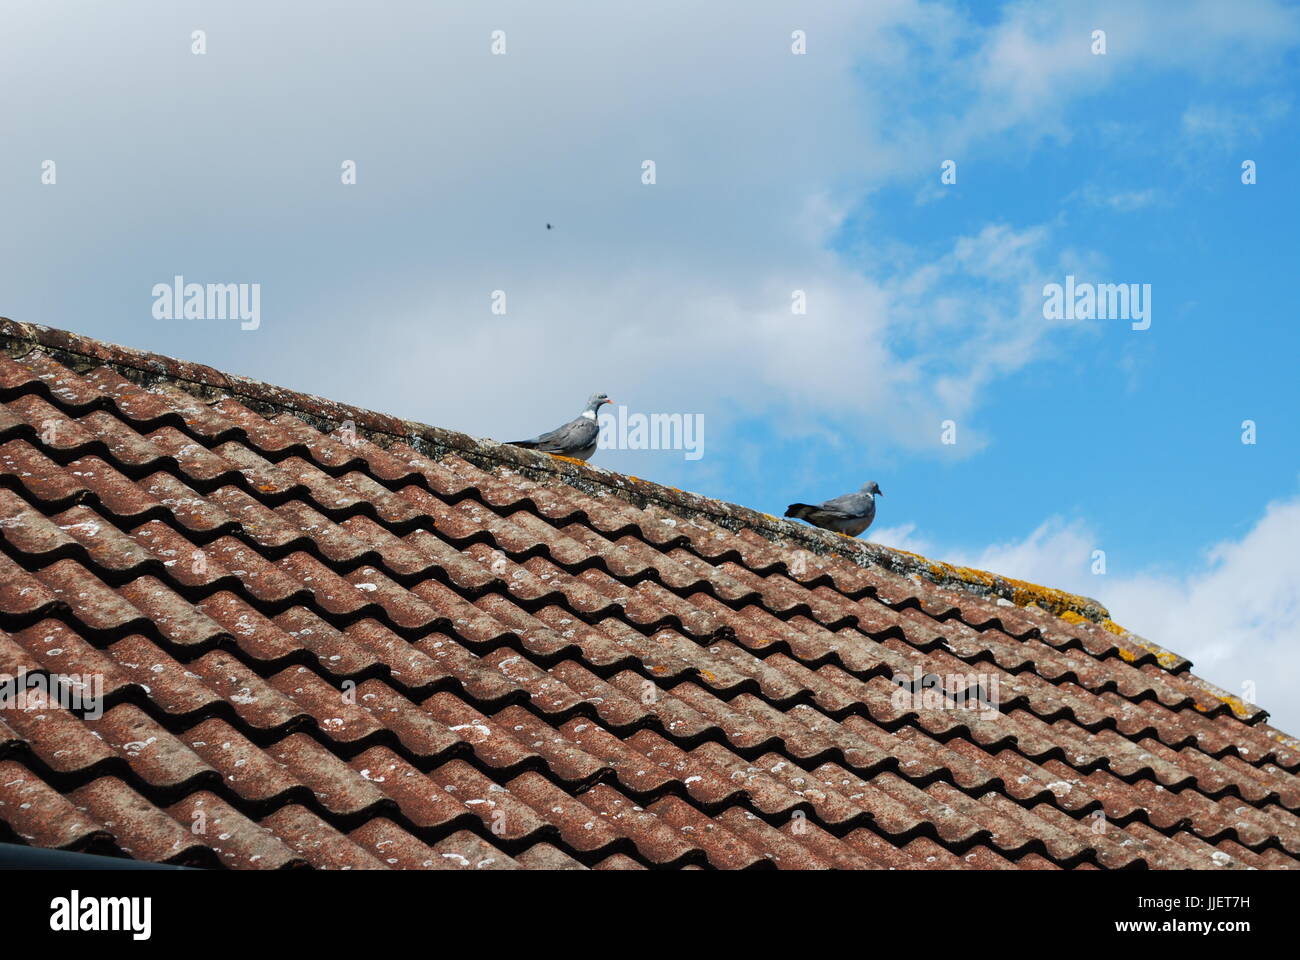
779	176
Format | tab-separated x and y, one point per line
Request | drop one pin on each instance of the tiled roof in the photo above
333	638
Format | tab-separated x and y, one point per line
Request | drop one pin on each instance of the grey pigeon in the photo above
850	514
577	438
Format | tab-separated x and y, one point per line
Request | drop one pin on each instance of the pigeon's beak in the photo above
607	400
879	492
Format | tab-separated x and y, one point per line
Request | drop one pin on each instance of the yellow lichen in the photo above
1237	704
1055	601
1166	658
965	574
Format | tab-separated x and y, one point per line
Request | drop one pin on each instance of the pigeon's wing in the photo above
849	505
577	434
840	507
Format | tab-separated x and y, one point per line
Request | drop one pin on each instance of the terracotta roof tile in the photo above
330	638
317	842
141	827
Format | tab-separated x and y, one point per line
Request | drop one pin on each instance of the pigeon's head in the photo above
597	400
873	488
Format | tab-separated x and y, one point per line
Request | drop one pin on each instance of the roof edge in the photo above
209	384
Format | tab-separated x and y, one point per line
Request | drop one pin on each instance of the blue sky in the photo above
775	173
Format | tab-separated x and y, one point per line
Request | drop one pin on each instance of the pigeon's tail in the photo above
799	510
526	444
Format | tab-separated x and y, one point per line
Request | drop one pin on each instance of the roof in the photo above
328	637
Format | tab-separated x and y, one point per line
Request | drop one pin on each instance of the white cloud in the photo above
1031	68
1121	201
1228	128
901	537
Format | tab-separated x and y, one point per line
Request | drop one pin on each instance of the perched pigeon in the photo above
851	513
577	438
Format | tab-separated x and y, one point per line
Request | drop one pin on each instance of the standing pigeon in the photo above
850	514
577	438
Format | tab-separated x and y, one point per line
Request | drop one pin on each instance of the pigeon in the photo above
577	438
849	514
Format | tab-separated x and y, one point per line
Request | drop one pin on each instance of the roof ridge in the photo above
209	384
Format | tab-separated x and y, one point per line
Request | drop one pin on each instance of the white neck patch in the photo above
589	414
